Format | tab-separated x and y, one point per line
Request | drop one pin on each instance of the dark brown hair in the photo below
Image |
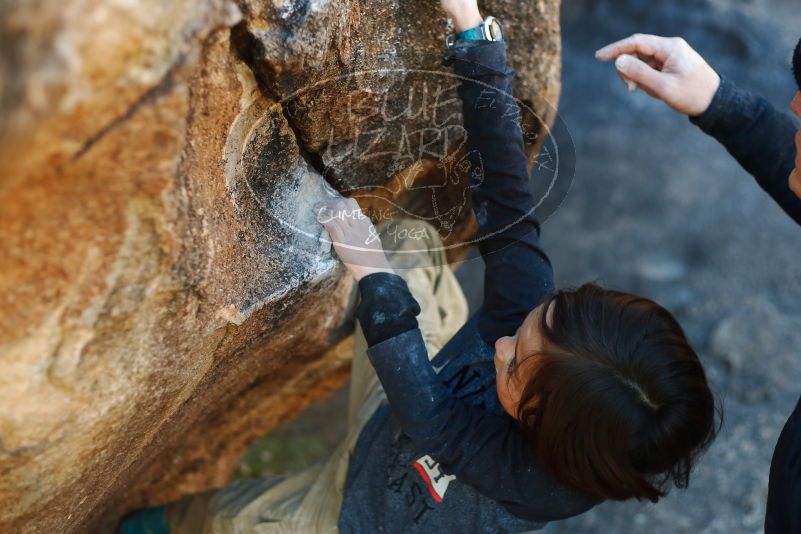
617	403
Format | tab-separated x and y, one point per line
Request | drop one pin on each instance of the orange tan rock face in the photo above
164	296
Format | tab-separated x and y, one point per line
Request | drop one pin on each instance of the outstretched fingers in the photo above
644	75
643	45
329	214
343	219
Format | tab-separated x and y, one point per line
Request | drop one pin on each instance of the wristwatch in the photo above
489	30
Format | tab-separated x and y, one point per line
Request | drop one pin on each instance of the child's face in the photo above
795	177
516	351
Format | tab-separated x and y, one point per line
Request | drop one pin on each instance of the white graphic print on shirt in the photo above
434	477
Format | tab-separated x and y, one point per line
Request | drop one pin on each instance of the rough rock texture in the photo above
164	296
363	88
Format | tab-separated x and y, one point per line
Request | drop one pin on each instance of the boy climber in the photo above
542	405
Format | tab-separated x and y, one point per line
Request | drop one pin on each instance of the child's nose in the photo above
795	105
499	346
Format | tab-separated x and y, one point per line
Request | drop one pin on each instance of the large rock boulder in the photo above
164	294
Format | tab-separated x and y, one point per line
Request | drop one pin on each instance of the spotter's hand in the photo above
354	237
665	68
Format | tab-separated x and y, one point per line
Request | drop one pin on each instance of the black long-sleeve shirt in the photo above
518	273
445	428
760	137
762	140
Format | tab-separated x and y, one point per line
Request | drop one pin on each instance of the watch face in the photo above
495	29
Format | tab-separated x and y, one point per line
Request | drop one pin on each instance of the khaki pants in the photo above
310	501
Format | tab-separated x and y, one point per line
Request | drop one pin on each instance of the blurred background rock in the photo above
658	208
